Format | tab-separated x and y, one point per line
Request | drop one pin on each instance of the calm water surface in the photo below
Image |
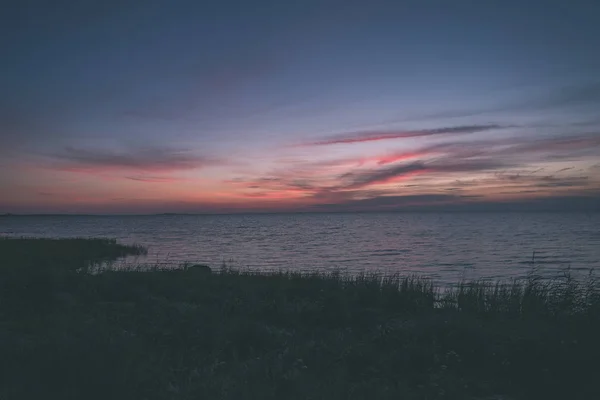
447	247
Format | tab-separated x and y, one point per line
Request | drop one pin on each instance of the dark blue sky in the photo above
117	106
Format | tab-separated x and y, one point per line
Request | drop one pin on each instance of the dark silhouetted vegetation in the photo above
38	254
177	334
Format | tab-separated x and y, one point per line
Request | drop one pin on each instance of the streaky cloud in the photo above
154	179
359	179
142	159
542	149
372	136
363	178
503	156
585	202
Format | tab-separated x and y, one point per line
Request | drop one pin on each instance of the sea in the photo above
447	247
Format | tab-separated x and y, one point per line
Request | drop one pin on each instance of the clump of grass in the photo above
67	254
32	269
534	296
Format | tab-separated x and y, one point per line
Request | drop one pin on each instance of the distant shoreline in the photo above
541	211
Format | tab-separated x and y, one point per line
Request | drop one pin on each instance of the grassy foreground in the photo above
241	335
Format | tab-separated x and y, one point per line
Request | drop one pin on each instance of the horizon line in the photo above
428	211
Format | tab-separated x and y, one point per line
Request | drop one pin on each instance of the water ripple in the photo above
445	246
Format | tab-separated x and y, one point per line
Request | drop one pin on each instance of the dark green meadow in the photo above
66	333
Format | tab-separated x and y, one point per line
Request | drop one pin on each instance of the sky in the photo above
264	106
